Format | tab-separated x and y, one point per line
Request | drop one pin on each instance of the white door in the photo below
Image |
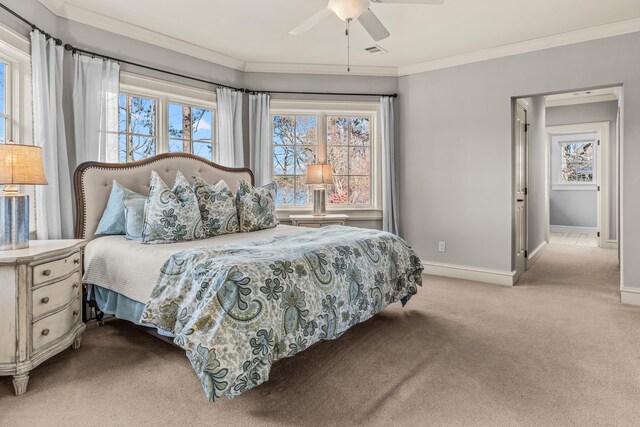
520	197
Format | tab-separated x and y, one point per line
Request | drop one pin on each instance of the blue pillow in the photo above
113	221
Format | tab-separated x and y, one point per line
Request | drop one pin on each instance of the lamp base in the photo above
319	202
14	221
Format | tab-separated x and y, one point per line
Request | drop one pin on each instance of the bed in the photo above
236	303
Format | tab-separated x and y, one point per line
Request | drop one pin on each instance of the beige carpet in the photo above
559	349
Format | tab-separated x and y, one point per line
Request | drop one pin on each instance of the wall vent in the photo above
376	50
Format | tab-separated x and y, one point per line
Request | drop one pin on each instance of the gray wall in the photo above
536	198
455	154
579	208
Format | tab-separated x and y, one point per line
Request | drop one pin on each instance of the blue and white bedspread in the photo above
237	309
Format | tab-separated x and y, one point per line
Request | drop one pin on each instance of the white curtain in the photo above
54	217
260	156
230	142
389	195
96	84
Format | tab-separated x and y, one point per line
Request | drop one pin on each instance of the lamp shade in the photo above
319	175
21	165
348	9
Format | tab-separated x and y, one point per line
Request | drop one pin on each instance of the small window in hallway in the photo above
577	161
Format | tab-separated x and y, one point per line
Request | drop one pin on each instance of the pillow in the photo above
113	221
171	215
134	216
217	207
256	206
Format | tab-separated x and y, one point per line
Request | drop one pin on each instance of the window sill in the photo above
355	214
574	187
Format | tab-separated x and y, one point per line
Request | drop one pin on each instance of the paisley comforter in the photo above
237	309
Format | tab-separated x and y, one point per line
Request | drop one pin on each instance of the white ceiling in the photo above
583	97
253	34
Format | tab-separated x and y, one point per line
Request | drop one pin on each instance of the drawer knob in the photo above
76	312
47	272
45	300
76	261
45	332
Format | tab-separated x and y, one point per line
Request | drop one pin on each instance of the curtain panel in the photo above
260	156
389	194
230	142
54	219
96	85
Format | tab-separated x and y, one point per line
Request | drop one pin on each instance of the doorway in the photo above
566	175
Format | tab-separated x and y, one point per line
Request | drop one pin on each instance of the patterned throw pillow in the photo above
256	206
171	215
217	207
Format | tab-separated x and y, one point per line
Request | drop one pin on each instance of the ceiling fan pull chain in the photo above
348	34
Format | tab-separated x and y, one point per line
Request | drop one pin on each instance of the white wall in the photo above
455	147
579	208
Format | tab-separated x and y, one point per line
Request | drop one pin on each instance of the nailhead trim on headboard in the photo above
78	180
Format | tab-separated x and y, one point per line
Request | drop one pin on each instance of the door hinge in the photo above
598	188
598	234
526	254
598	142
526	191
526	127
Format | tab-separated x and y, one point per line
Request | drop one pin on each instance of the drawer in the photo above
49	329
55	269
57	294
325	224
309	224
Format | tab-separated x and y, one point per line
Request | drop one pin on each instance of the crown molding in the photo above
84	16
266	67
579	36
12	40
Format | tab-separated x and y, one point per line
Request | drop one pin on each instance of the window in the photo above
573	161
159	117
191	130
577	161
5	118
344	139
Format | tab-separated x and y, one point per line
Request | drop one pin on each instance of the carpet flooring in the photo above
558	349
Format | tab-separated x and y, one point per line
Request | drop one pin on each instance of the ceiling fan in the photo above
348	10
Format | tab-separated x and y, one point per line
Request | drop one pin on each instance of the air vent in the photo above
376	50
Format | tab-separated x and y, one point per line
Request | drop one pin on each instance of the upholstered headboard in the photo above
93	181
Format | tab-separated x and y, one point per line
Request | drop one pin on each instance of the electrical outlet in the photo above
442	247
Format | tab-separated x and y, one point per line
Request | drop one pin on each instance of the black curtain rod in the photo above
159	70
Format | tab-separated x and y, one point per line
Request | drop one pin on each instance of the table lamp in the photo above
319	176
19	165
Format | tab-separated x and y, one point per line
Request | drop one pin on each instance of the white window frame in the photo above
557	141
166	93
373	211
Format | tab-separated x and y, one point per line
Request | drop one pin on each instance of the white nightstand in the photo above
40	305
314	221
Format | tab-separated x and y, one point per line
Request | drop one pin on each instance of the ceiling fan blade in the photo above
311	22
372	24
409	1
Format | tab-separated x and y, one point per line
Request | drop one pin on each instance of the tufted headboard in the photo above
93	181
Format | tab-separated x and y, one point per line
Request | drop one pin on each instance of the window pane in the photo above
359	190
203	149
338	191
283	130
3	136
122	149
176	146
283	159
359	128
305	155
2	88
201	124
338	158
306	130
303	191
359	162
337	130
285	191
122	113
142	147
143	116
577	162
175	121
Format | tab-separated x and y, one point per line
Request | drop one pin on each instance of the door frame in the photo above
602	175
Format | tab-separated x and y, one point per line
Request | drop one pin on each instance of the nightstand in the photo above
40	305
314	221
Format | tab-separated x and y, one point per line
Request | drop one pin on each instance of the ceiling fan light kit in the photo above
348	9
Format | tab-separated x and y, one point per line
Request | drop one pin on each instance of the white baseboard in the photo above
497	277
535	254
572	229
629	295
